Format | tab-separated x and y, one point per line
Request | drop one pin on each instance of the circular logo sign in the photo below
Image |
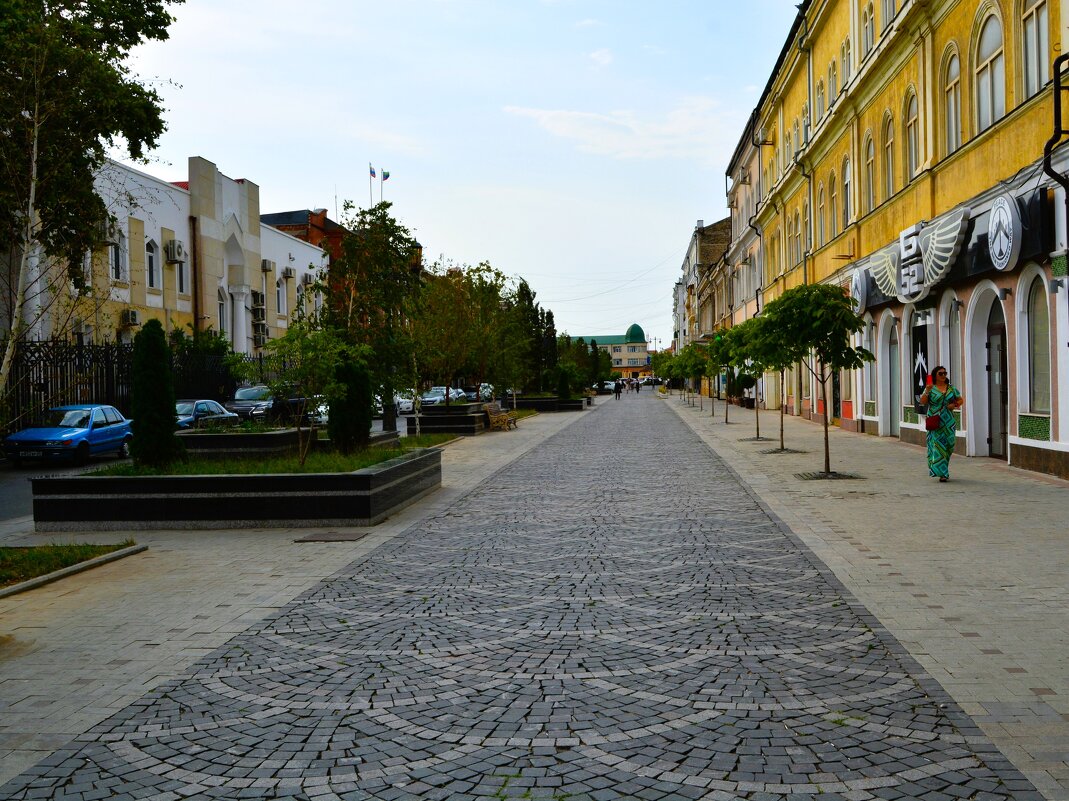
1004	233
859	290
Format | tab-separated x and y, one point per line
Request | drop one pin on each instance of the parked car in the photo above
320	412
432	397
203	414
484	393
260	403
404	402
73	432
603	387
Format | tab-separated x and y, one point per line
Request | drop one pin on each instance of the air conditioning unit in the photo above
287	273
129	318
267	266
259	313
308	279
257	299
259	340
175	251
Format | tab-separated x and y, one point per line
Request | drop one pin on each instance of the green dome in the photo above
635	334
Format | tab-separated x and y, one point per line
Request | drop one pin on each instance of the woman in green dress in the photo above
943	399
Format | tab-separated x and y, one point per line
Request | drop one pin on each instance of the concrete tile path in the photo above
589	622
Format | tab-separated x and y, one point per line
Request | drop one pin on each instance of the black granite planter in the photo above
456	418
119	503
240	444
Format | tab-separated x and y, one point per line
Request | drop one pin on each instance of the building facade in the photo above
191	254
901	145
630	353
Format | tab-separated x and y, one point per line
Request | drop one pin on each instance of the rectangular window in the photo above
180	277
115	259
615	348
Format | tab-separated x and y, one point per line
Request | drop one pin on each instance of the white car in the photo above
403	402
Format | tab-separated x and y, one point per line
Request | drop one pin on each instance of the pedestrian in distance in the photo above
617	388
638	386
942	399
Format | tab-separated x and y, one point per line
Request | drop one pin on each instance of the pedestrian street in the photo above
611	616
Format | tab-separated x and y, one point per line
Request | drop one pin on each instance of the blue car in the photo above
74	433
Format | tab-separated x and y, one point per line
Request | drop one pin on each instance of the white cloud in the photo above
589	23
697	128
601	58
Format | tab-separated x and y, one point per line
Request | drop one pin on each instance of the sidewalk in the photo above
971	576
74	652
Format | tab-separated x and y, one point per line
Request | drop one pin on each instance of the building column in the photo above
240	334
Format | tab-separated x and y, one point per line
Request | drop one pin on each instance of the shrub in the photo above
351	411
152	399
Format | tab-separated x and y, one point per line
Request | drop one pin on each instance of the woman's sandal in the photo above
943	480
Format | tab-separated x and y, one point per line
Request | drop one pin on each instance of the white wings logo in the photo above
921	259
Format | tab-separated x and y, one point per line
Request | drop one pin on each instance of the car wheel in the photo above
124	449
81	453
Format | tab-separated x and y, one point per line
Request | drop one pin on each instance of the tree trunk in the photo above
824	397
756	411
727	402
782	405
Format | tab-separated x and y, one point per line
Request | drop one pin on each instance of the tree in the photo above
661	362
720	354
152	399
66	95
821	319
749	359
373	289
442	329
775	352
691	363
351	406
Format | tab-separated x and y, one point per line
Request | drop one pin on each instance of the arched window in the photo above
870	367
224	302
870	175
889	157
797	238
888	11
952	103
833	84
152	265
833	208
1035	47
845	57
788	152
280	296
117	256
797	137
868	36
954	343
846	193
820	217
807	241
298	307
1038	348
912	139
820	100
990	75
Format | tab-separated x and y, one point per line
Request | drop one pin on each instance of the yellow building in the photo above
901	151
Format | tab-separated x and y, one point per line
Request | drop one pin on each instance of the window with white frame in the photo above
952	103
888	11
844	60
117	257
223	301
807	241
833	83
1035	47
152	265
954	343
298	307
868	35
280	296
990	75
869	188
833	209
889	158
870	367
846	193
797	238
820	217
1038	348
820	100
912	139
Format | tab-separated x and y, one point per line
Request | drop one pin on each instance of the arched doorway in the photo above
894	383
997	389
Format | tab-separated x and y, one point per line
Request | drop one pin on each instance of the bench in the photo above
499	418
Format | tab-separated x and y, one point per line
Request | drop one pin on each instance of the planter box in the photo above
120	503
226	445
456	418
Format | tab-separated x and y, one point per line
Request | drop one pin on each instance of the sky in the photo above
573	143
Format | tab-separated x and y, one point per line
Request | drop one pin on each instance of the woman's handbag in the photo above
933	422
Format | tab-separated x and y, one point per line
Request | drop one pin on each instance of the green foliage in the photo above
692	362
351	405
205	343
152	399
25	563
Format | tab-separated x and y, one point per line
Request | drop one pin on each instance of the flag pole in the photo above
370	195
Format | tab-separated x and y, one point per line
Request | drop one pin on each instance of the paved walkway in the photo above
591	623
970	576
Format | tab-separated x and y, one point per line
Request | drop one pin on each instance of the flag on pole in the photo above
372	169
386	175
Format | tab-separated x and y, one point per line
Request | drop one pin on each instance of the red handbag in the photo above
933	422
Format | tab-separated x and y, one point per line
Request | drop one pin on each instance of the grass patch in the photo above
317	462
23	564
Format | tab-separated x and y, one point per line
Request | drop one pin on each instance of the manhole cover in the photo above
826	476
782	450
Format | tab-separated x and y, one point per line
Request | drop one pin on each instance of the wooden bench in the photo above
499	418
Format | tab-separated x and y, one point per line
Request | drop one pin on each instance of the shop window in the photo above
952	103
954	344
1038	349
912	139
870	367
990	75
1035	47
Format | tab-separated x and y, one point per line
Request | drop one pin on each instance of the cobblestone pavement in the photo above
559	633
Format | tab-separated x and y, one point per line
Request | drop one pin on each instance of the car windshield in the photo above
184	407
252	393
68	418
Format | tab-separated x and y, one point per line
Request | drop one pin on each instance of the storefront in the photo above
975	290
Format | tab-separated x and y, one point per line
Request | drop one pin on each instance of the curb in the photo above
55	575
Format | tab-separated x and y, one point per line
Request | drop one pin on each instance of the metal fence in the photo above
58	372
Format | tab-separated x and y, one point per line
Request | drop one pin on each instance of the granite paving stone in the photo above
557	633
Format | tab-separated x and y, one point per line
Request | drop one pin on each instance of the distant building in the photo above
309	225
629	352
